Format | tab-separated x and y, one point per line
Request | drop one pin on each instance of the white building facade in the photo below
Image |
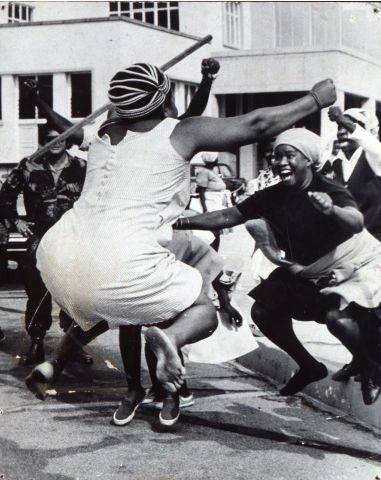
270	53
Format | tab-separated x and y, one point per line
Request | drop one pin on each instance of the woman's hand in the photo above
235	318
335	113
322	202
23	227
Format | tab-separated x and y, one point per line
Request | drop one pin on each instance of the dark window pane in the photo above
26	105
45	83
162	5
80	94
125	6
148	4
9	11
23	13
138	16
174	4
17	12
113	6
163	18
138	5
175	20
150	17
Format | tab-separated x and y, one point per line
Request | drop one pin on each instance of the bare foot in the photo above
169	371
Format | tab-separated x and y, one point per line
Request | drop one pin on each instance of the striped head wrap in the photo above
138	90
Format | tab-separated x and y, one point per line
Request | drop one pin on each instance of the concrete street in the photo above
238	428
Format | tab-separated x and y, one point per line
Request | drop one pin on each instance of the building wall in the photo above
100	47
44	11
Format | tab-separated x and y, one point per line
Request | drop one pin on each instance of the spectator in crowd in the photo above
359	169
49	185
211	189
266	176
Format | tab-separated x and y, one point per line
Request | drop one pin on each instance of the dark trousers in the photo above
38	315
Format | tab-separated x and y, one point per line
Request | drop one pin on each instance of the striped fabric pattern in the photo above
138	90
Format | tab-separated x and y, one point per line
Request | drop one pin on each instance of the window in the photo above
19	12
80	94
27	108
233	22
162	14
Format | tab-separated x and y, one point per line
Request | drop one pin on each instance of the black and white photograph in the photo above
190	240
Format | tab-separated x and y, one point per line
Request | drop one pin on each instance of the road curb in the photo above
344	397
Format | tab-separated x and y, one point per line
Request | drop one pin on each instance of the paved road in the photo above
239	427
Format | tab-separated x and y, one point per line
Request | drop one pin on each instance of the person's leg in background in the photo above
4	236
46	373
79	355
38	314
130	345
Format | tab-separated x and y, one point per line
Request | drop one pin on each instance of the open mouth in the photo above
285	174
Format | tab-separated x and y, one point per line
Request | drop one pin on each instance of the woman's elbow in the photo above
358	223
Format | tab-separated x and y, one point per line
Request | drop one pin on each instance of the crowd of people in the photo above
319	224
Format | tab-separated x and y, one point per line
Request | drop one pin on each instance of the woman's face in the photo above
293	168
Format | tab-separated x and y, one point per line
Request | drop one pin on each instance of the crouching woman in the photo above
330	271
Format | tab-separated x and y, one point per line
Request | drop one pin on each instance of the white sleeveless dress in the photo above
102	259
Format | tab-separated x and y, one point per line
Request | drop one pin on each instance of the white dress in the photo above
102	259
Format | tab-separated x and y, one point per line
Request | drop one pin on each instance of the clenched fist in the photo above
335	113
322	202
210	66
325	92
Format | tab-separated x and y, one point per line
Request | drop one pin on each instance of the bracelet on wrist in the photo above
316	98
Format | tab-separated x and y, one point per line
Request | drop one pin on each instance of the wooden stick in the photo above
67	133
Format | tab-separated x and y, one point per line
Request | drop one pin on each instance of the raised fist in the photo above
334	113
32	86
325	91
210	66
322	202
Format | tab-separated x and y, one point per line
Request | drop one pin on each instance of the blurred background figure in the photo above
359	169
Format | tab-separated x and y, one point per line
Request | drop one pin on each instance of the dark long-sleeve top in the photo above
48	193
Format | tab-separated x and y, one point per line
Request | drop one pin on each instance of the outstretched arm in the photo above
224	134
55	119
209	70
226	218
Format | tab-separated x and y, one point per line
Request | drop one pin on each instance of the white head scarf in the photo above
307	142
367	119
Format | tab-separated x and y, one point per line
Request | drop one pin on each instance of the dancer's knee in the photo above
337	324
260	315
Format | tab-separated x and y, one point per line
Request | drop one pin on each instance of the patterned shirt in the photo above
48	192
